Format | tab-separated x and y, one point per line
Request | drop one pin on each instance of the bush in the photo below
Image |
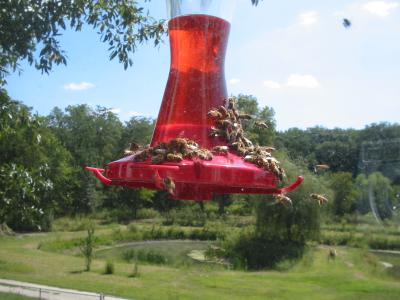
249	250
147	213
135	271
109	268
128	255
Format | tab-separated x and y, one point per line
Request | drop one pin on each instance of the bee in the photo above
160	151
223	111
261	125
247	142
157	159
133	147
250	158
282	199
169	185
214	114
221	149
225	123
143	154
268	149
174	157
319	198
320	168
204	154
216	132
346	23
244	116
128	152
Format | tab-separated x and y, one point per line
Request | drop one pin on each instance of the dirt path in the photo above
38	291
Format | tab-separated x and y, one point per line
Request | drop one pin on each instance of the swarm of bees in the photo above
173	151
228	125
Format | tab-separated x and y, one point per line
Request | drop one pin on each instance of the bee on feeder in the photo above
221	149
214	114
319	198
174	157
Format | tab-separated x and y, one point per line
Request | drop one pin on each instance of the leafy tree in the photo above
92	136
29	27
345	194
281	232
35	168
375	194
87	245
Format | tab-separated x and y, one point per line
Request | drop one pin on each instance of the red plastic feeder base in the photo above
194	179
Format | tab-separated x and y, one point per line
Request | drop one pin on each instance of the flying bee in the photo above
261	125
320	168
282	199
221	149
169	185
214	114
319	198
174	157
244	117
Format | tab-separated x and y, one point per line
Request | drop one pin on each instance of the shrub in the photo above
109	268
128	255
135	271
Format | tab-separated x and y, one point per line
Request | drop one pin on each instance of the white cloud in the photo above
234	81
79	86
302	81
309	18
380	8
272	84
115	110
135	114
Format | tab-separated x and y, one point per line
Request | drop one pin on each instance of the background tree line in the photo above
43	157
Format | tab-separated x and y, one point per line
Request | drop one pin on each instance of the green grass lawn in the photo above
355	274
7	296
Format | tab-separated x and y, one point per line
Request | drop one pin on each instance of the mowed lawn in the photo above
354	274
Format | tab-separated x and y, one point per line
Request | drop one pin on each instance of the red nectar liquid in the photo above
196	81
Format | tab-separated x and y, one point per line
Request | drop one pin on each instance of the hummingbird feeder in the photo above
196	85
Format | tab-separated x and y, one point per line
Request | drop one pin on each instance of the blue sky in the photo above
294	56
